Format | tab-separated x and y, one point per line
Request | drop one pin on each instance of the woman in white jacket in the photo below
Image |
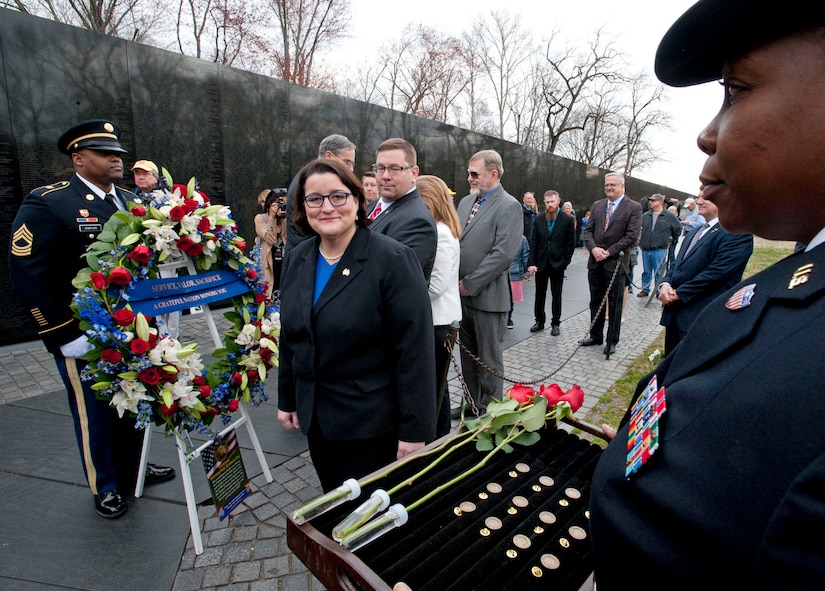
443	287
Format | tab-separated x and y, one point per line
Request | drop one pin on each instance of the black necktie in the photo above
113	201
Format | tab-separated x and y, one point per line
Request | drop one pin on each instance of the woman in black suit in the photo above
357	372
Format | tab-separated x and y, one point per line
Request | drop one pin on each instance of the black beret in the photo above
713	32
95	134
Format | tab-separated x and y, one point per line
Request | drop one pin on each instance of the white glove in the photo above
77	348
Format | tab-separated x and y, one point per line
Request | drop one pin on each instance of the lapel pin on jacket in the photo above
800	276
345	272
742	298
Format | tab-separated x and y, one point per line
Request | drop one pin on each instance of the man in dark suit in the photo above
614	228
733	497
493	228
53	228
552	242
710	261
399	212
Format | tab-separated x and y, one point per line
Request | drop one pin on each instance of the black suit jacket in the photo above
620	236
361	361
53	228
714	265
552	250
411	223
733	498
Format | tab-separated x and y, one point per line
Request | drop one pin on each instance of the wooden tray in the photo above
521	523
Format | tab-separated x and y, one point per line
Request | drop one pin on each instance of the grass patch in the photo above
611	407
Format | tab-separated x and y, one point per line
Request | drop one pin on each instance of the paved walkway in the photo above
51	539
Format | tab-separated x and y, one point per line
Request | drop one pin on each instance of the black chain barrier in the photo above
465	391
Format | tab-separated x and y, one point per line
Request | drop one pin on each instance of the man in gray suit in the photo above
493	227
399	212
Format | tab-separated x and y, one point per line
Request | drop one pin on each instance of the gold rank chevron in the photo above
21	243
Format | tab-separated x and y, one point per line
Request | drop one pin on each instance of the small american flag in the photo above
742	298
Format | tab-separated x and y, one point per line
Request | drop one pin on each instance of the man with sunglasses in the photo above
493	227
399	211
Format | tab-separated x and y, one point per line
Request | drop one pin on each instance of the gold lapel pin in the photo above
90	197
800	276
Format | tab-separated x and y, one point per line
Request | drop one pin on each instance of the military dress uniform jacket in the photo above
620	236
53	228
734	496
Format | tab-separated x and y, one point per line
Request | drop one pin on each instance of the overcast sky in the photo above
636	25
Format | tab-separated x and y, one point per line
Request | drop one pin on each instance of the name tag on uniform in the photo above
97	228
643	428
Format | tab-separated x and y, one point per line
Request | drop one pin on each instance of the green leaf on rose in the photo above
107	236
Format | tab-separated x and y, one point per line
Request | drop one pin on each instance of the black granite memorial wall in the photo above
236	132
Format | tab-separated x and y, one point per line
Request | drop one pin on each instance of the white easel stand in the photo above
170	270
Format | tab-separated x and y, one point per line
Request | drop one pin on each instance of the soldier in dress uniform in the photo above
53	228
716	477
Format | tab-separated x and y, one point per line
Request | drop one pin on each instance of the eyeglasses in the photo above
473	174
316	200
393	170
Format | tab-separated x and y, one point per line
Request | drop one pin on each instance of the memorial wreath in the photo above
134	364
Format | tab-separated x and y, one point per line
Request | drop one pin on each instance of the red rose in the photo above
182	190
120	276
111	356
153	339
520	393
575	397
203	225
233	405
141	254
184	242
266	355
98	280
553	393
139	346
236	379
213	410
204	391
251	374
251	273
167	375
149	376
177	213
241	244
138	211
198	381
190	205
123	317
260	297
194	249
204	196
169	411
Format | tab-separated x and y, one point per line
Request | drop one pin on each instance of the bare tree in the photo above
119	18
478	113
306	27
570	78
503	48
643	119
422	72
